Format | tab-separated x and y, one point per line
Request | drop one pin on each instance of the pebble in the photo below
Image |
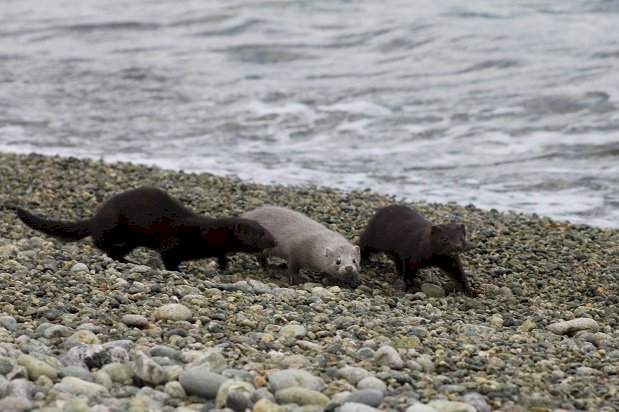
420	407
79	267
432	291
301	396
477	401
238	402
365	353
173	311
103	379
175	390
353	374
212	360
527	326
36	367
147	369
165	352
201	381
82	337
8	322
15	404
388	356
355	407
119	372
294	377
371	382
77	386
570	327
370	397
137	321
78	372
22	388
229	387
57	331
450	406
291	332
265	405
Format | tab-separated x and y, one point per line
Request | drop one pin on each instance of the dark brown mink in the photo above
151	218
413	243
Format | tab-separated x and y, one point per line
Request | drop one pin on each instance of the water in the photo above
505	104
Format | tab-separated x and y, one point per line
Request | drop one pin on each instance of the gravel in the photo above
79	331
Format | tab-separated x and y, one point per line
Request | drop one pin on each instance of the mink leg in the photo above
366	253
399	265
293	272
170	260
263	261
453	267
115	251
222	261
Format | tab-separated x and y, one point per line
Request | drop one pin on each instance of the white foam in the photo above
361	107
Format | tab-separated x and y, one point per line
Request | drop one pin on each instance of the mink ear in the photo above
328	252
462	228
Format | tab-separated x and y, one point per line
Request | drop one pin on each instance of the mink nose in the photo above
349	268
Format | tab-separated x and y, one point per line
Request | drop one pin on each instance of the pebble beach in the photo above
81	332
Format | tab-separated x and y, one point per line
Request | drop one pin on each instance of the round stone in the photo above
388	356
294	377
36	367
79	267
301	396
353	374
173	311
370	397
371	382
201	381
137	321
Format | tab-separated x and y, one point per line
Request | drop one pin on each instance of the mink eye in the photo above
338	261
354	260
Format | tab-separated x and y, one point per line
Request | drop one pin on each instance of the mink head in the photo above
343	264
253	236
448	239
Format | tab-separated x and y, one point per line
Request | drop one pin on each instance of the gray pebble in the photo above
294	377
165	351
355	407
15	404
238	402
78	372
79	267
477	401
352	374
148	370
175	390
388	356
137	321
570	327
420	407
57	331
301	396
201	382
21	388
370	397
371	382
8	322
365	353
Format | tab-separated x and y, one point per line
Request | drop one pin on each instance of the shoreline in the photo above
110	160
63	304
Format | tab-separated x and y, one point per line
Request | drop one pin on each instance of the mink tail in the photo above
69	231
